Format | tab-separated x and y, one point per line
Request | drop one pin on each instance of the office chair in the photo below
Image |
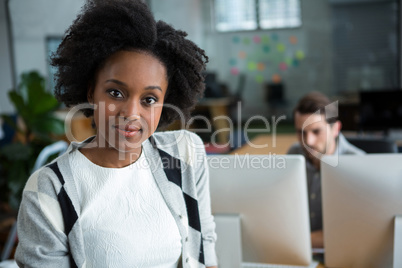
275	97
374	145
58	147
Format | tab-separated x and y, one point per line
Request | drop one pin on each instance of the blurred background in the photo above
267	53
263	56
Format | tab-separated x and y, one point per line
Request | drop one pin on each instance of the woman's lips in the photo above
127	131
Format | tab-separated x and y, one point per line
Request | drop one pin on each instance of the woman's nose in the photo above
131	110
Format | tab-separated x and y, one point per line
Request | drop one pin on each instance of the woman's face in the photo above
128	98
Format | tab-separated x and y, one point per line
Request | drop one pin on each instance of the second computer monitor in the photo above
362	195
269	193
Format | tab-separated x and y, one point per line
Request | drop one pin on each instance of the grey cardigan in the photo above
49	228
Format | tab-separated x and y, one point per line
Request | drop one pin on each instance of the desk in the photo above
266	144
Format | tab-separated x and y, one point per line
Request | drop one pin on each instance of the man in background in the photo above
318	131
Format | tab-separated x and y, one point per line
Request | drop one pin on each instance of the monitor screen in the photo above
361	197
269	192
380	110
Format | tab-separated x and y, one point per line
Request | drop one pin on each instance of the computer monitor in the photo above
269	192
361	197
380	109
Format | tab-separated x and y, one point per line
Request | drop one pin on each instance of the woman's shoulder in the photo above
45	178
51	174
182	144
178	137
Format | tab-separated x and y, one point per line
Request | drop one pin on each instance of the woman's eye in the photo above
115	93
150	100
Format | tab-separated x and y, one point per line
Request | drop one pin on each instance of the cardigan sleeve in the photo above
204	202
40	228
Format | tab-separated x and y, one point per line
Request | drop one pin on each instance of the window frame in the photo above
257	20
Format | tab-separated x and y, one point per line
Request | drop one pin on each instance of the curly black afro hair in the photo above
106	26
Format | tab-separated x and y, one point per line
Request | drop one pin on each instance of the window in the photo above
235	15
238	15
279	14
52	43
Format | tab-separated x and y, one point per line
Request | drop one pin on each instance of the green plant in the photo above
37	127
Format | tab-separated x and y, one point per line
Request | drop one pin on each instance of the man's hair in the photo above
105	27
316	101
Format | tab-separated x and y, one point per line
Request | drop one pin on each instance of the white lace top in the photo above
125	220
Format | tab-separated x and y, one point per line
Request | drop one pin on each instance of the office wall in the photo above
6	72
184	15
32	22
312	49
366	46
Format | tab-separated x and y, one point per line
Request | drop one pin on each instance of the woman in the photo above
127	197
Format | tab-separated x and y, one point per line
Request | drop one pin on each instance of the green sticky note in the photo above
252	66
259	78
246	41
300	55
265	40
280	47
266	49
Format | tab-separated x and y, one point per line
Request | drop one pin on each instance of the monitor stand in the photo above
228	244
398	241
